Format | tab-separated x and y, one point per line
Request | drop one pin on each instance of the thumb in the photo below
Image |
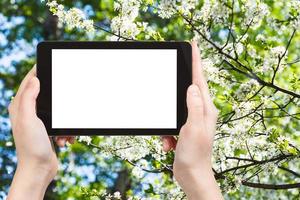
28	97
195	105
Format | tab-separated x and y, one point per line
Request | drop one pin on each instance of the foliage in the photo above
250	52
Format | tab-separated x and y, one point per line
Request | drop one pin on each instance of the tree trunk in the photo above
122	183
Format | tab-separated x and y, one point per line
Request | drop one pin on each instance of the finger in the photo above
198	75
51	138
61	141
166	145
195	105
71	139
61	137
14	104
27	101
169	143
11	111
28	77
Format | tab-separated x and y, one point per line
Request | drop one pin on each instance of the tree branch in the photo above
290	171
271	186
249	73
112	33
282	56
253	163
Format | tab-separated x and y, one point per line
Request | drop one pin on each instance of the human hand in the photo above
37	161
193	151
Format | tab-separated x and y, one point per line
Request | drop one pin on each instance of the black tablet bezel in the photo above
44	73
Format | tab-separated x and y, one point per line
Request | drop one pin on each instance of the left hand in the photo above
37	161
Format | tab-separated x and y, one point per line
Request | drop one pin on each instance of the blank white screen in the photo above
114	88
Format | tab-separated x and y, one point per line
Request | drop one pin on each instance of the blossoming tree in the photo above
250	52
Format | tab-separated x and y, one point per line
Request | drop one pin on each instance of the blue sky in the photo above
21	48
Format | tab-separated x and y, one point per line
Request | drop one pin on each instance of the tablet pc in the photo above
113	88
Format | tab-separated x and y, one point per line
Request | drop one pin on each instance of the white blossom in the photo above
124	24
86	139
117	195
239	48
138	172
278	51
187	5
166	8
260	37
73	18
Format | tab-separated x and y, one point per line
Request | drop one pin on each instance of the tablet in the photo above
113	88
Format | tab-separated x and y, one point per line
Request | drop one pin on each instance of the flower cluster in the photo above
124	24
73	18
85	139
166	8
126	147
97	195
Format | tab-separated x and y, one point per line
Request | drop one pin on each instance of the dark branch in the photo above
253	163
112	33
271	186
283	55
290	171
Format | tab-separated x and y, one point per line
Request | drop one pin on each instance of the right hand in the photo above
193	151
